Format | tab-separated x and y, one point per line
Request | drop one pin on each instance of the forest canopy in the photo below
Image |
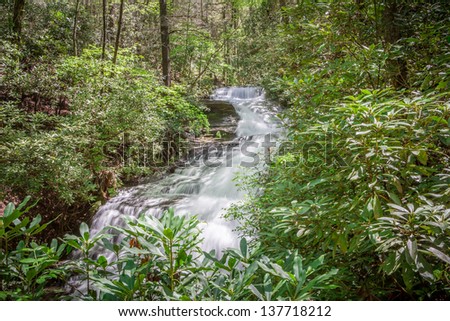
364	84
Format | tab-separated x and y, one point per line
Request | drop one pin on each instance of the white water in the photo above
205	191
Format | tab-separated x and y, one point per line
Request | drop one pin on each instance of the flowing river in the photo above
205	185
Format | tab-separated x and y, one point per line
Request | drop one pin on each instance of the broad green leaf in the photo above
84	231
168	232
411	245
444	257
243	247
9	209
423	157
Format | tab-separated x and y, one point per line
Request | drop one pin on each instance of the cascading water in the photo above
207	188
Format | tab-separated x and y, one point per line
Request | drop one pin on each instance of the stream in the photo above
205	185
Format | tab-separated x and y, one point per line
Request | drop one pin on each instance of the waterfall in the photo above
229	93
206	189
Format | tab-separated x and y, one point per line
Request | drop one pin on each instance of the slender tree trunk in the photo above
104	29
226	40
18	11
284	17
75	25
234	16
206	14
392	33
187	60
119	28
165	41
201	10
111	22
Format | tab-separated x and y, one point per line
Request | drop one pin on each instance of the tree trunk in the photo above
201	10
226	43
75	23
119	28
165	41
104	29
392	33
18	11
110	22
284	16
187	52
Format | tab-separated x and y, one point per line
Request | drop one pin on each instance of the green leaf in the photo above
23	203
377	211
425	269
35	221
394	198
423	157
168	233
408	277
278	271
232	262
12	216
444	257
108	245
243	247
9	209
73	244
442	85
255	291
391	264
29	261
411	246
102	261
267	285
84	231
299	273
342	242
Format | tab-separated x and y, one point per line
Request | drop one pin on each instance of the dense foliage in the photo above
365	184
157	259
363	177
354	206
84	125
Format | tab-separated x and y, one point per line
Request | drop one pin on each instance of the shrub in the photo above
28	269
95	123
366	184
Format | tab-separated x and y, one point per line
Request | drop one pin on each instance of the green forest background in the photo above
366	83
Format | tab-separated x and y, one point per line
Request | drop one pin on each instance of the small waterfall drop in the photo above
208	188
